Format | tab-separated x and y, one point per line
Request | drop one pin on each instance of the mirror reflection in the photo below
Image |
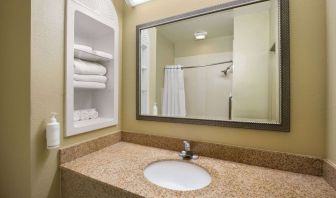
220	66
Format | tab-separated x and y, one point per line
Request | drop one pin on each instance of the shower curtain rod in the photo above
213	64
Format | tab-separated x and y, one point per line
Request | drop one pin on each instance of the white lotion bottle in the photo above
53	132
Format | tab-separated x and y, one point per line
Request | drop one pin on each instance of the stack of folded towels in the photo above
85	114
89	75
88	49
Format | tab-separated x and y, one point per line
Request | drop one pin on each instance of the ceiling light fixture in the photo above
135	2
200	35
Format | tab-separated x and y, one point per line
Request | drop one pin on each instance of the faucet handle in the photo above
186	145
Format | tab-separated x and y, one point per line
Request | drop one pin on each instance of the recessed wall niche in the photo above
92	36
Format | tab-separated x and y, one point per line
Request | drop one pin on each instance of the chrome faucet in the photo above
187	153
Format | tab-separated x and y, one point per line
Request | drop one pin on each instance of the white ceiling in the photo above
217	25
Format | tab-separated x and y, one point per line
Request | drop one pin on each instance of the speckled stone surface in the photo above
75	185
329	173
70	153
270	159
121	166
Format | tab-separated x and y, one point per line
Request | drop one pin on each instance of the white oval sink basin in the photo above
177	175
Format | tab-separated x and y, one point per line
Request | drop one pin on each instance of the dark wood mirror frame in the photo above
284	126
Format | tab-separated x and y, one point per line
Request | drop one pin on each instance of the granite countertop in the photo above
121	165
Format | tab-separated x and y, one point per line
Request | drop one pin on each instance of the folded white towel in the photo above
88	68
93	114
76	115
103	54
84	115
83	48
89	85
90	78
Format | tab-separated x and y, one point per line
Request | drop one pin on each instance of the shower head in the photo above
226	70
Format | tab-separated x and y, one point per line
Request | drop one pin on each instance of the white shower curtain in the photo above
173	98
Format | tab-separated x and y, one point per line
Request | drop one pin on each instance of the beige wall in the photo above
15	98
307	134
47	92
331	80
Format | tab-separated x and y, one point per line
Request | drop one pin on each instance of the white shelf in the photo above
90	56
98	121
84	88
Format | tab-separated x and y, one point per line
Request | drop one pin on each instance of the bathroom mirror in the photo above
226	65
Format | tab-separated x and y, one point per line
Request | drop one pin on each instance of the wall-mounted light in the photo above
135	2
200	35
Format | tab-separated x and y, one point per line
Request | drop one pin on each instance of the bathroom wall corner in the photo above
329	173
72	152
